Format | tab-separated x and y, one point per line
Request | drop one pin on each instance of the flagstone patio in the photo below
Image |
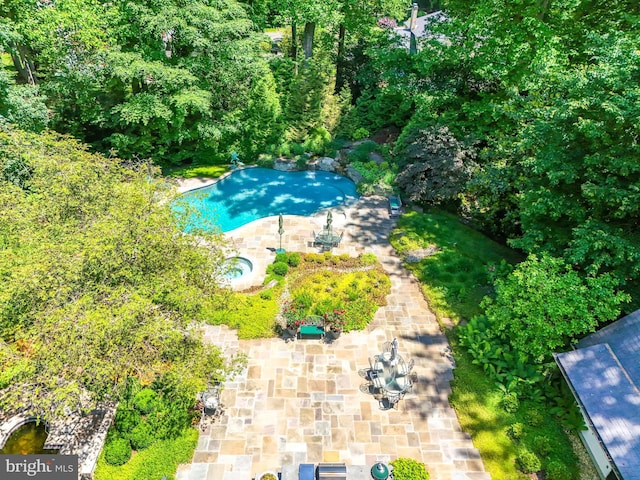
299	402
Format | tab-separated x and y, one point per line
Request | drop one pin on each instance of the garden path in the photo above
299	402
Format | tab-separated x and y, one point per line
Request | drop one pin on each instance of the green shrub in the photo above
557	470
297	149
367	259
126	419
294	259
117	451
283	150
326	305
359	313
265	162
515	431
510	402
280	268
161	458
319	141
301	162
360	133
542	446
528	462
170	421
304	300
535	418
409	469
145	401
266	294
362	151
281	257
314	258
142	436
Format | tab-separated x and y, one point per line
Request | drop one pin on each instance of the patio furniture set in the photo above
389	377
327	239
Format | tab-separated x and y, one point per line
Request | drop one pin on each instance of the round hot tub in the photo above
237	267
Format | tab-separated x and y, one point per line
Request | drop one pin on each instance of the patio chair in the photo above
406	368
337	242
384	403
394	398
373	372
394	205
367	388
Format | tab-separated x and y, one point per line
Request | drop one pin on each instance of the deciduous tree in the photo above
544	304
99	283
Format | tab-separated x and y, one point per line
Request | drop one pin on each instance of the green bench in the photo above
306	332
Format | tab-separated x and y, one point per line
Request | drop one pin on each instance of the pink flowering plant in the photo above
293	314
334	320
387	22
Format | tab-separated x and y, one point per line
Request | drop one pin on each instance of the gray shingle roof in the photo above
604	372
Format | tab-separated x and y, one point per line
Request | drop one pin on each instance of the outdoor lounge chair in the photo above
394	205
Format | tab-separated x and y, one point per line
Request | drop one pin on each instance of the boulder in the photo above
376	157
285	164
415	256
354	175
327	164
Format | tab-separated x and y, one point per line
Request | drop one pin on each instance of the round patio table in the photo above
390	374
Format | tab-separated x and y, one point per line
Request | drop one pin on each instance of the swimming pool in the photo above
252	193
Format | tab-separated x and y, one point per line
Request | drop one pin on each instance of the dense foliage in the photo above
544	304
409	469
550	114
521	116
161	458
99	283
172	81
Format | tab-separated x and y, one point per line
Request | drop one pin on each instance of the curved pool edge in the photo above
349	198
184	184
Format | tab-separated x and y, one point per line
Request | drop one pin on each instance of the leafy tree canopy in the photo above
99	283
437	166
544	304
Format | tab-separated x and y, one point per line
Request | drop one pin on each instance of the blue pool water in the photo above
252	193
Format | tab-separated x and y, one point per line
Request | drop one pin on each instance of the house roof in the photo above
604	373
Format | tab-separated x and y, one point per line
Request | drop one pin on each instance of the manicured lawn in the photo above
456	277
161	458
194	171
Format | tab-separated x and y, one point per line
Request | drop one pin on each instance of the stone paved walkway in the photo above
299	401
